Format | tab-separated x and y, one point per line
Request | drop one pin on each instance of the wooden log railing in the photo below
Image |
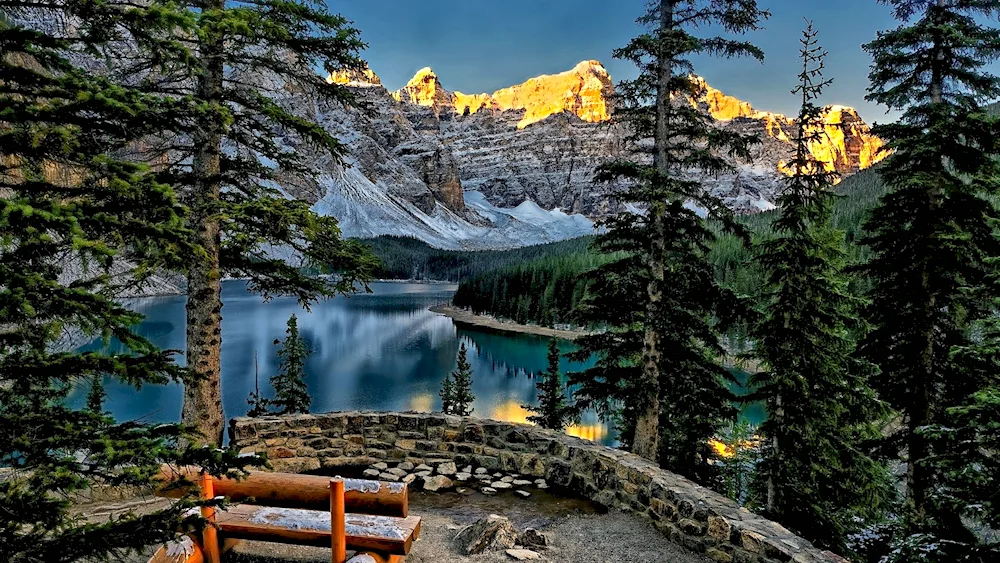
296	491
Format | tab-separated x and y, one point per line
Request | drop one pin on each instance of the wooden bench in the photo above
296	509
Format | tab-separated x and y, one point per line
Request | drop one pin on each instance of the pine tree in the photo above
815	474
679	398
258	403
290	393
447	394
462	397
931	236
246	64
552	411
967	446
79	224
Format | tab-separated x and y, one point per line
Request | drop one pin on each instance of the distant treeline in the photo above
408	258
546	290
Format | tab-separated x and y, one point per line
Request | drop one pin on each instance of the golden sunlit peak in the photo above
423	75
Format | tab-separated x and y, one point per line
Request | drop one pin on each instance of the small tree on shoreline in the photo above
553	411
456	390
290	393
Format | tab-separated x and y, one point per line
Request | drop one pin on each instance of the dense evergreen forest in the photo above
547	289
405	258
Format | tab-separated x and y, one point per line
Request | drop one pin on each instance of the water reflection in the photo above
380	351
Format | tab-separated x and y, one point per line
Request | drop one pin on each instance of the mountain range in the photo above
505	169
516	166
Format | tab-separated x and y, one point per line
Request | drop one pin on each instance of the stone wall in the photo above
690	515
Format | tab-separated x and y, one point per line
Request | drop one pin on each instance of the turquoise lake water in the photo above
379	351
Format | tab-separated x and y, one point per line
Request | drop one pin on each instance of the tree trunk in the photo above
647	431
203	391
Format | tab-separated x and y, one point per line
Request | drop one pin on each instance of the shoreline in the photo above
463	317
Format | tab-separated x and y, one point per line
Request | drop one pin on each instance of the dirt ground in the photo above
577	532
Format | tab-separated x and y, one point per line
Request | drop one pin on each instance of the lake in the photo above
379	351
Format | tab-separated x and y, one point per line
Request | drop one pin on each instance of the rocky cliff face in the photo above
542	141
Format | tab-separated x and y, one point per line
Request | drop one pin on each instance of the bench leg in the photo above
210	535
338	532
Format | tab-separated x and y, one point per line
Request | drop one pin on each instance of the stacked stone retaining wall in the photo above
689	514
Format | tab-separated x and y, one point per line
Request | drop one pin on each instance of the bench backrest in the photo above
290	490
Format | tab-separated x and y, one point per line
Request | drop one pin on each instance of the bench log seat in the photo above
364	532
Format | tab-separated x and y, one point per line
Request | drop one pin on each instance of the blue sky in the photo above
480	46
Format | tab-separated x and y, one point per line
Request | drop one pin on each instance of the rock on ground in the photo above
493	533
437	483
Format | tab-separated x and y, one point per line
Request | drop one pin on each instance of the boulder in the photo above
500	485
381	466
488	491
523	555
388	477
371	473
520	482
463	476
523	494
447	468
493	533
405	466
533	538
423	467
409	478
397	472
437	483
507	479
480	471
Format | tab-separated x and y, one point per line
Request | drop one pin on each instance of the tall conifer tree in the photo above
79	225
931	235
248	62
814	475
677	398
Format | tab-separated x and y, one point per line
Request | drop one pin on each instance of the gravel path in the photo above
595	538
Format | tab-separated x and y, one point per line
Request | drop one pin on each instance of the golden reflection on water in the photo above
511	411
424	402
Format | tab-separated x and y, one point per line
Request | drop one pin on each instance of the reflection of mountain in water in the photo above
380	351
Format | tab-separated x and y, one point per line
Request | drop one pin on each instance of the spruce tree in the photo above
815	476
966	442
462	397
79	225
679	398
447	394
552	411
931	236
290	393
246	64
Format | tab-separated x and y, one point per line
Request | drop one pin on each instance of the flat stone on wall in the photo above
689	514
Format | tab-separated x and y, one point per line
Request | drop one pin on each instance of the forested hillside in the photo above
408	258
546	289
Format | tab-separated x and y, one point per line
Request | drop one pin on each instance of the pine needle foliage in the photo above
657	355
290	393
456	391
815	478
251	67
553	411
79	225
931	237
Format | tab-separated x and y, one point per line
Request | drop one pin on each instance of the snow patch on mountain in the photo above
367	209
